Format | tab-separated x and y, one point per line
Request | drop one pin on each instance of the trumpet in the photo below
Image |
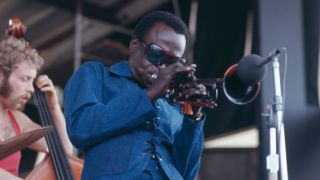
234	89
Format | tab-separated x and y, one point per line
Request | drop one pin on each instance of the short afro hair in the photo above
171	20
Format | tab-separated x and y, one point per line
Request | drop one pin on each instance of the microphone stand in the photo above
276	130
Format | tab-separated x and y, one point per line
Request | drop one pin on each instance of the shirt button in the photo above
157	167
153	156
160	159
156	118
148	122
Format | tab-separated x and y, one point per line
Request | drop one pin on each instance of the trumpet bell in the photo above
236	91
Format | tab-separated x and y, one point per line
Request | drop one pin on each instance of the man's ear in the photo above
134	43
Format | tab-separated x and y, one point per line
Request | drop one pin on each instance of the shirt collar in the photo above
121	69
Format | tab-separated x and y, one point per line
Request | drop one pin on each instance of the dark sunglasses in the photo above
157	56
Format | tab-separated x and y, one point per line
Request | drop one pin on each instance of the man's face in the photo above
172	44
18	86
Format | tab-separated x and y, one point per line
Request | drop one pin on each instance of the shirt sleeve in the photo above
89	120
187	148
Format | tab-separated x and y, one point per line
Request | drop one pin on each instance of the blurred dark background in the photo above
221	32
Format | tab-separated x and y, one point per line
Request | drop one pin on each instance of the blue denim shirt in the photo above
110	117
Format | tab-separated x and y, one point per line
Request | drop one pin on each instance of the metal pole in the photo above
279	114
273	157
78	35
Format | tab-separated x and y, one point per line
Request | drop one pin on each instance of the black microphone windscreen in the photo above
248	71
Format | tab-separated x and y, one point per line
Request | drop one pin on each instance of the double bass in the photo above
57	164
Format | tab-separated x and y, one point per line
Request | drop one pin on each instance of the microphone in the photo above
251	69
